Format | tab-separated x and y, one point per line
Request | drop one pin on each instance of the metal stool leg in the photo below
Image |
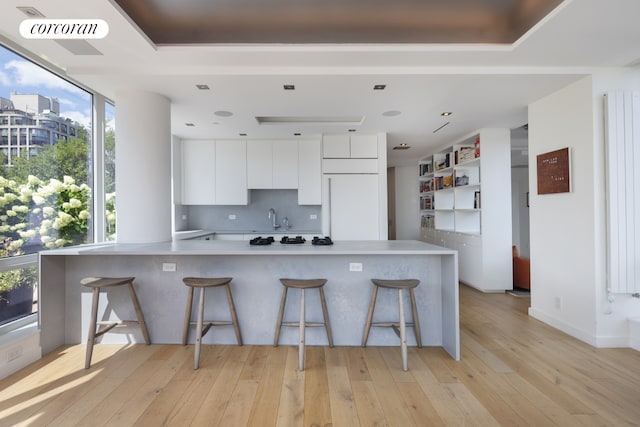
95	294
372	307
302	333
403	332
196	357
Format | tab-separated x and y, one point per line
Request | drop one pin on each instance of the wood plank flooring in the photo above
514	371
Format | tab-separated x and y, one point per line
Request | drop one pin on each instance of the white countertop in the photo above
242	247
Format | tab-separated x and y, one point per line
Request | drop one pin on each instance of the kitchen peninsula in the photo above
347	265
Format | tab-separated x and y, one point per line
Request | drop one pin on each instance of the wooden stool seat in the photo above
302	284
203	326
96	328
399	327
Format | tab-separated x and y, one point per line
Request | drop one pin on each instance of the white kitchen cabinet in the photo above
309	172
285	164
336	147
364	146
350	146
231	172
198	172
259	164
272	164
351	219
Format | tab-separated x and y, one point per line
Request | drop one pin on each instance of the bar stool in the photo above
97	283
303	284
399	285
201	329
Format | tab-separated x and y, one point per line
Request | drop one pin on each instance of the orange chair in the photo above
521	270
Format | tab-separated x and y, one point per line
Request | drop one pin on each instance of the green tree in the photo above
53	161
109	160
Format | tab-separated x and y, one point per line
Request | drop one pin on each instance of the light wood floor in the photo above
514	371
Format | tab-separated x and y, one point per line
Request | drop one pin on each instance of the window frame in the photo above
98	227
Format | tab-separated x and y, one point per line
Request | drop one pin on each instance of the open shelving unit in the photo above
470	203
450	188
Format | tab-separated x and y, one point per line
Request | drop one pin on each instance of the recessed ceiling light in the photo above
402	146
243	134
30	11
352	130
379	87
289	87
189	124
391	113
202	87
297	134
223	113
446	113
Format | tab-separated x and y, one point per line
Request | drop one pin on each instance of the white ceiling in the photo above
483	85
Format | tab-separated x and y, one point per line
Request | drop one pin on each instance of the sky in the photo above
20	75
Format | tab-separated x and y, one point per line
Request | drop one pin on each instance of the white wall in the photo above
563	245
407	203
568	233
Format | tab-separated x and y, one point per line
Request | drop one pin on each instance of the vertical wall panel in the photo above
622	120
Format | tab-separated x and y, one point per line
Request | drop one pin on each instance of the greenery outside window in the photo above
46	185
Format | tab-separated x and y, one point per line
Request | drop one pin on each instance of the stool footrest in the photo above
389	324
307	324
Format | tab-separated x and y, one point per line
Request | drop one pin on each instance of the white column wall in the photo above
563	245
143	167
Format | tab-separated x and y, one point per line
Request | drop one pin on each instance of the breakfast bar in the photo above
159	268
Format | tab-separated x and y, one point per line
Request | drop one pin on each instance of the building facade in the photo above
29	122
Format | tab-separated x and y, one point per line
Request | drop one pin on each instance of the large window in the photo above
46	185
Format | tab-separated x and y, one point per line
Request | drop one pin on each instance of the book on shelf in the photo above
426	168
476	200
465	154
447	181
477	146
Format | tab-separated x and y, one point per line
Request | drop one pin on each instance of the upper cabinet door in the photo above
309	172
259	164
336	147
285	164
364	146
198	172
231	172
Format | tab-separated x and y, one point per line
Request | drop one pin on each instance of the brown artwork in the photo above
553	172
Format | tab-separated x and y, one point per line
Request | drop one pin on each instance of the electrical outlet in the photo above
558	303
232	216
184	217
168	266
355	266
14	353
313	216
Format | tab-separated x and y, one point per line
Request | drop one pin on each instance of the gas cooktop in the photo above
286	240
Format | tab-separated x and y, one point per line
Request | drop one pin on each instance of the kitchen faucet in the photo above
272	215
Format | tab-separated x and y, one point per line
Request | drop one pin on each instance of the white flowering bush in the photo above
40	215
48	214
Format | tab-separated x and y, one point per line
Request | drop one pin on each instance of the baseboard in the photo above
564	327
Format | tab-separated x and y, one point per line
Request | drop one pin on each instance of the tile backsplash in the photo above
253	216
